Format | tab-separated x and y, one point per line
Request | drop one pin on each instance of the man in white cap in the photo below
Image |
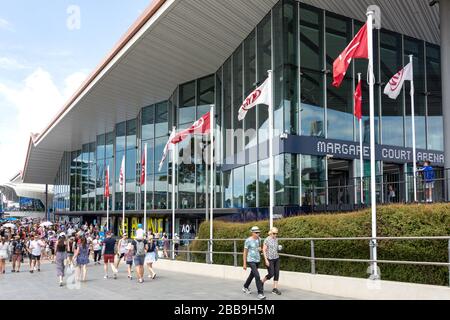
252	258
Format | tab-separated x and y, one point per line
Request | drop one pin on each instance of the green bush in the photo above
392	221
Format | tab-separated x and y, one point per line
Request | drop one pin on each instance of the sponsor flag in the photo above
144	165
358	101
107	192
260	95
166	149
395	85
358	48
122	173
201	126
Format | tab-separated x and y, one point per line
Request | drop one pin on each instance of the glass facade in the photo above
299	43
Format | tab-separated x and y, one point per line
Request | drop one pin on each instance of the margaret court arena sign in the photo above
351	150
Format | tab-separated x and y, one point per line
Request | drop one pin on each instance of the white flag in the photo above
395	85
261	95
122	173
166	149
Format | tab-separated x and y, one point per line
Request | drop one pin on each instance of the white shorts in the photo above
429	185
150	258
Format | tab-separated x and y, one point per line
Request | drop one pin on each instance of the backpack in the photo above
140	248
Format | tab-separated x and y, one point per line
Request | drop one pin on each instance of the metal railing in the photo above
325	195
313	258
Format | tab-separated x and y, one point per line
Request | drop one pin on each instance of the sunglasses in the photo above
275	233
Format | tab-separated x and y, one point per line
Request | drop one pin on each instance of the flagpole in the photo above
123	194
145	187
211	196
370	17
413	127
361	159
174	150
271	162
107	202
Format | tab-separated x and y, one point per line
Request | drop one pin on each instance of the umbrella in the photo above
11	219
9	225
46	224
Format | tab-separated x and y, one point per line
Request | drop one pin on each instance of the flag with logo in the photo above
358	101
144	165
357	48
395	85
166	149
201	126
122	174
107	191
260	95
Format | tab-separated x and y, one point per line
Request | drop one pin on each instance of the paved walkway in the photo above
167	286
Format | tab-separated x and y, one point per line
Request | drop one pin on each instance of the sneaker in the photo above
39	270
261	297
31	271
154	276
149	276
105	277
13	271
246	290
60	284
141	281
276	291
115	276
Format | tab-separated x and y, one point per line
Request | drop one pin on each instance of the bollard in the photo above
313	261
235	253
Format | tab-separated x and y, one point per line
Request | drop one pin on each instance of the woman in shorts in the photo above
4	254
150	257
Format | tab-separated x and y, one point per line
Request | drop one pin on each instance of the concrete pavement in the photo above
167	286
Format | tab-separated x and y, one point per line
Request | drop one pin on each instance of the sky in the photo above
47	49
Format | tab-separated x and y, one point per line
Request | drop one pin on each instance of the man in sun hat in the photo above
252	258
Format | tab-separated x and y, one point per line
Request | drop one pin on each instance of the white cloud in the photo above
5	25
32	103
10	64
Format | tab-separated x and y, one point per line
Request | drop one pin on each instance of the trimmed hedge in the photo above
394	221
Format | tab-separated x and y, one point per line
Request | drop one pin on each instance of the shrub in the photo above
392	221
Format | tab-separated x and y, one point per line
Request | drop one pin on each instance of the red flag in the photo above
144	165
201	126
107	193
358	48
358	101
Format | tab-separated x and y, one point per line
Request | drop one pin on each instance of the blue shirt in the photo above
253	245
428	174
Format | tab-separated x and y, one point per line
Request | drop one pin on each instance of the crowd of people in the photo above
73	247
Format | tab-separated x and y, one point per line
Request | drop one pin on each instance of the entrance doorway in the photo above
339	187
393	183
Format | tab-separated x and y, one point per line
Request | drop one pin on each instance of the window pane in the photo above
435	120
249	86
313	180
120	136
238	187
227	108
148	120
228	190
312	111
391	110
311	39
131	134
161	120
263	184
250	185
237	99
187	103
